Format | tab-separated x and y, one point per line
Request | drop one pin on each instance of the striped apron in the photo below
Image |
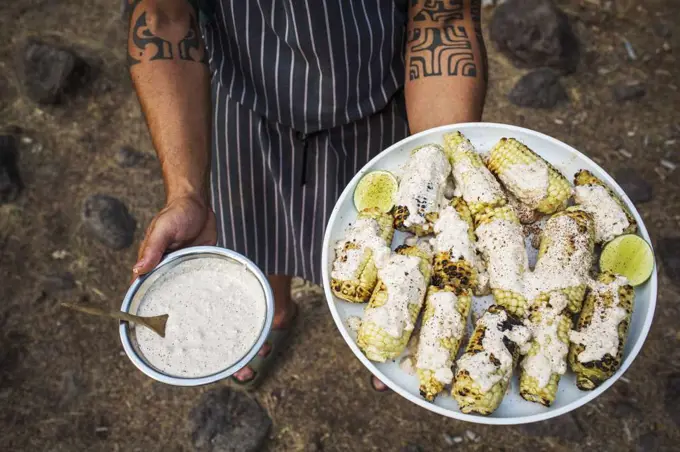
304	95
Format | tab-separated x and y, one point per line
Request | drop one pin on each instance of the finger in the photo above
157	242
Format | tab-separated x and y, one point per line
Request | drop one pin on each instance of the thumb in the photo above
157	241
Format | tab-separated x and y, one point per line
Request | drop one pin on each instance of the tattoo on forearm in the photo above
476	15
440	51
147	45
439	10
438	43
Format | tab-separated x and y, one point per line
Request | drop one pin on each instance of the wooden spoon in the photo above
156	324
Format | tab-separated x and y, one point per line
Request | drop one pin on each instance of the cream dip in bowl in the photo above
220	308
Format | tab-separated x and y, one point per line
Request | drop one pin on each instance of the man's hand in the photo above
185	221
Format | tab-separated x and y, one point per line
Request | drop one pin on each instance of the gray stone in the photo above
58	281
225	420
534	34
49	71
669	249
628	91
127	157
538	89
672	397
649	442
638	190
10	182
109	221
565	427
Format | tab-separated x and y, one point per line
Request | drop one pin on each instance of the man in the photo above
261	111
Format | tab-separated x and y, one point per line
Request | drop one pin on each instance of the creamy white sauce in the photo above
405	285
551	356
560	267
216	311
502	243
406	365
601	336
452	235
446	322
476	184
610	218
479	365
422	184
365	235
528	182
354	323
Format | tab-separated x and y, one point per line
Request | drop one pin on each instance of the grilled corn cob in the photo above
390	316
354	273
611	216
444	322
501	242
529	177
597	344
476	184
546	360
565	256
484	371
421	189
454	247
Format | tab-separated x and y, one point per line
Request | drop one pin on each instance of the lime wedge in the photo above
376	189
628	255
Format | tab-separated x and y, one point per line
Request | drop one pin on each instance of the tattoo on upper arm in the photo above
147	45
438	44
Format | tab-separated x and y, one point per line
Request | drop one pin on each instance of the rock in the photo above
628	91
50	71
10	182
58	281
637	189
225	420
127	157
533	34
672	398
565	427
663	30
109	221
649	442
669	248
538	89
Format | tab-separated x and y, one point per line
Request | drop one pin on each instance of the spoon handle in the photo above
96	310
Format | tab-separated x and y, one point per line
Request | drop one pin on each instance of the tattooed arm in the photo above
446	68
168	66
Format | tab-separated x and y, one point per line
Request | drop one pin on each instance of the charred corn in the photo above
443	325
354	273
476	184
546	361
484	371
530	178
501	242
421	190
390	316
611	216
597	344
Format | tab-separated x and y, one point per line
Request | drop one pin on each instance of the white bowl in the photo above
135	296
514	409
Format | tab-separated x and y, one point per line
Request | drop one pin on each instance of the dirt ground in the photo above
65	384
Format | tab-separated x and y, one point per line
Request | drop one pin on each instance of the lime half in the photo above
628	255
376	189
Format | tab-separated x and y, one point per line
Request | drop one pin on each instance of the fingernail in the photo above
138	266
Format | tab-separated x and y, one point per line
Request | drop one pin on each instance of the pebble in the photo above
668	164
637	188
623	92
226	420
108	220
58	282
127	157
49	71
59	254
534	34
669	249
10	182
538	89
471	435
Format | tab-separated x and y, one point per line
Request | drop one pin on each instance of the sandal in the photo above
260	365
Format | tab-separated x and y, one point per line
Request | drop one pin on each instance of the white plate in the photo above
514	409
